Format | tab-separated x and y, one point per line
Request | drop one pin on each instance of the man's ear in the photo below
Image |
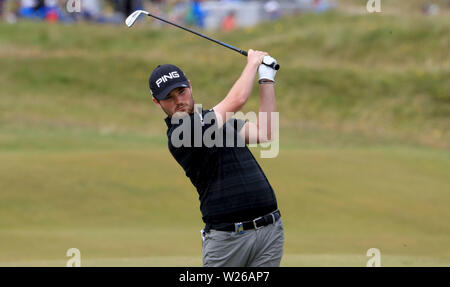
190	86
156	102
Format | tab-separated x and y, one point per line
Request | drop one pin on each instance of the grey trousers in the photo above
254	248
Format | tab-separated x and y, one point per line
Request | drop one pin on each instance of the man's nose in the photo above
178	99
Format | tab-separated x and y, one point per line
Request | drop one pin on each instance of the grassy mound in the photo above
364	106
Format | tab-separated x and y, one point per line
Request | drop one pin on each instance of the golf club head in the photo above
133	17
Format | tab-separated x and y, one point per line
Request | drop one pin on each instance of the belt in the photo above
240	227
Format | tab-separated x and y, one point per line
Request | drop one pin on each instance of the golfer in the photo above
243	226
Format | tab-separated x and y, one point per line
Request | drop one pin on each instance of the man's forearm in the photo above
242	88
267	105
267	98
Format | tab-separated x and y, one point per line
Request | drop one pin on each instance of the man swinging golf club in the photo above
243	226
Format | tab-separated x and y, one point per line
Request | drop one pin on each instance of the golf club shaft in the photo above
276	67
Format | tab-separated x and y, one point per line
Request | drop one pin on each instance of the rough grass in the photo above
333	68
138	204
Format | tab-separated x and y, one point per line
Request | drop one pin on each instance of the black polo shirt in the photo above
231	185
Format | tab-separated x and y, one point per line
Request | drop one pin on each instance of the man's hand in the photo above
266	72
255	57
242	88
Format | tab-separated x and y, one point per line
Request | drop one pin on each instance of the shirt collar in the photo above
168	123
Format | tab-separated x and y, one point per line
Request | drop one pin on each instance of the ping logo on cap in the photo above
164	78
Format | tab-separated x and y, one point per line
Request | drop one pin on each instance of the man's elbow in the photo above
240	102
264	137
267	140
236	102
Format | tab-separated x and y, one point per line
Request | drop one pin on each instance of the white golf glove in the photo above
266	72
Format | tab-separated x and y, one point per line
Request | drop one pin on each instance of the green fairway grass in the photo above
364	159
138	205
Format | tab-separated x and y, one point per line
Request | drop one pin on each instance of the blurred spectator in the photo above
40	9
430	9
195	14
189	17
93	7
322	5
8	10
229	21
272	8
2	6
52	10
122	8
315	5
115	4
129	6
178	12
93	10
27	8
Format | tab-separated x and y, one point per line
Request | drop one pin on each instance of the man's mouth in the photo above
180	108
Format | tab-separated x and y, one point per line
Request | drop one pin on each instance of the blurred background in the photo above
364	103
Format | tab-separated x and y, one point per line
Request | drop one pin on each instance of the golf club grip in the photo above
273	66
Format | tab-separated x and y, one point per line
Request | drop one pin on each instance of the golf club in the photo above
135	15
